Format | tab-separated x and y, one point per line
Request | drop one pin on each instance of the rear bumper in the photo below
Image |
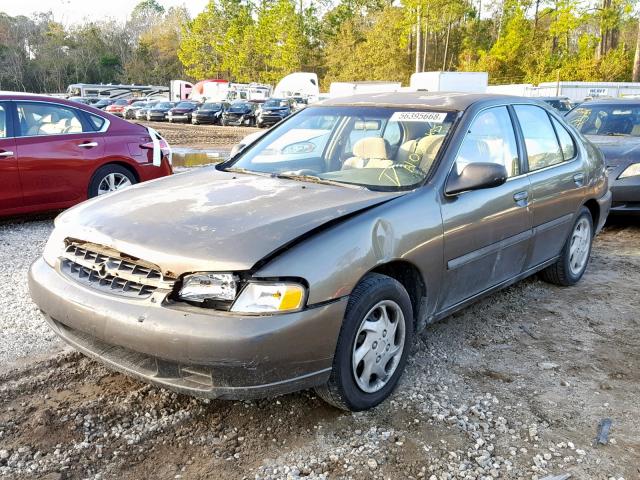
217	355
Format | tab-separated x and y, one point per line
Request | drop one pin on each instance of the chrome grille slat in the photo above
102	269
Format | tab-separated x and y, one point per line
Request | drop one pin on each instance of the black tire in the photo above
341	390
103	172
560	273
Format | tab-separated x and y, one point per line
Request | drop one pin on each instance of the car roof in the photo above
439	100
611	101
550	98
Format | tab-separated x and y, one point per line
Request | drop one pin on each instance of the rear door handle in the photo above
578	178
521	198
6	154
88	144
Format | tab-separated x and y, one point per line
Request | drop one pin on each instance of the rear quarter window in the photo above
96	121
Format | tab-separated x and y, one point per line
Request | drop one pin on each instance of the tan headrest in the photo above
429	144
370	147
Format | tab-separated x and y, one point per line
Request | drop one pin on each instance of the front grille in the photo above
109	271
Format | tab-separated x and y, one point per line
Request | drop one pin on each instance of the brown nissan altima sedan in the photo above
315	255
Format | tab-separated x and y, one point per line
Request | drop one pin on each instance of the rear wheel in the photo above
109	179
372	349
574	257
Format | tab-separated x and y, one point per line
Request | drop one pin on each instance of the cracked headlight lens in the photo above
209	286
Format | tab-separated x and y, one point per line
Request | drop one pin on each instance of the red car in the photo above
117	107
55	153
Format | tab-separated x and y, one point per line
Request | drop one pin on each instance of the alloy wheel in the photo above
378	346
579	247
113	182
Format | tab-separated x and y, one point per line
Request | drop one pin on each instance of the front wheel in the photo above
574	257
109	179
373	345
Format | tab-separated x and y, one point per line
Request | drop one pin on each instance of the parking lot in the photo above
512	387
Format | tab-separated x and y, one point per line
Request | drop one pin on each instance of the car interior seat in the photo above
420	151
370	152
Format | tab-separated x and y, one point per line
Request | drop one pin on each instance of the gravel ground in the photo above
23	332
200	135
512	387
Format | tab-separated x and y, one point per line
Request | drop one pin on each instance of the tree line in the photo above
516	41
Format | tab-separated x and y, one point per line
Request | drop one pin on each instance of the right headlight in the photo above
54	247
631	171
270	297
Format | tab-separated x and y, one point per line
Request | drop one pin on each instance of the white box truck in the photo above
472	82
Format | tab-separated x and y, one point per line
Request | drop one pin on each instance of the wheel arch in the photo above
120	163
413	281
594	209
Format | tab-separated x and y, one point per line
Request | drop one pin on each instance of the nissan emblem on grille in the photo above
108	270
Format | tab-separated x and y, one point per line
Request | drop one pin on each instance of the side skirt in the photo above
465	303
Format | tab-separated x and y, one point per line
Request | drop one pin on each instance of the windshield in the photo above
185	105
239	107
138	104
275	102
379	148
211	106
121	102
606	119
162	105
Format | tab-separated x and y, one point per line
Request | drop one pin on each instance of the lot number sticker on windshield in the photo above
432	117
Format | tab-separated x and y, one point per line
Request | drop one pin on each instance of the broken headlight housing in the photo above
225	290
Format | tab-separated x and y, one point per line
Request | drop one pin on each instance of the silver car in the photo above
315	255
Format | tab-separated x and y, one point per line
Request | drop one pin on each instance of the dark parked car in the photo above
614	126
103	103
561	104
315	255
240	113
274	110
209	112
159	111
182	112
55	153
117	107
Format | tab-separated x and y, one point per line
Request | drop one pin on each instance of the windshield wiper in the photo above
244	170
313	179
617	134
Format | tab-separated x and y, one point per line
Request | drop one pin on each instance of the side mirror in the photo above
476	176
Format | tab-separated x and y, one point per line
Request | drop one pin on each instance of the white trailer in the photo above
472	82
298	84
344	89
578	91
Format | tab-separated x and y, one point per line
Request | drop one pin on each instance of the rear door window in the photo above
540	138
40	119
566	141
4	122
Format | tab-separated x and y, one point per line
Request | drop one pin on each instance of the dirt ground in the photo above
184	134
512	387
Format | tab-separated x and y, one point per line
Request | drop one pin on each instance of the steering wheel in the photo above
412	168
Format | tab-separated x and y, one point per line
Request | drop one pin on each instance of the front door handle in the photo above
521	198
578	179
6	154
88	144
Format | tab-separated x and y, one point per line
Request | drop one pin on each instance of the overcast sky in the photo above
73	11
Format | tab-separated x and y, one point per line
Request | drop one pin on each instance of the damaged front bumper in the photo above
212	354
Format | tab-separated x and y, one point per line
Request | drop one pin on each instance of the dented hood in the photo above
210	220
